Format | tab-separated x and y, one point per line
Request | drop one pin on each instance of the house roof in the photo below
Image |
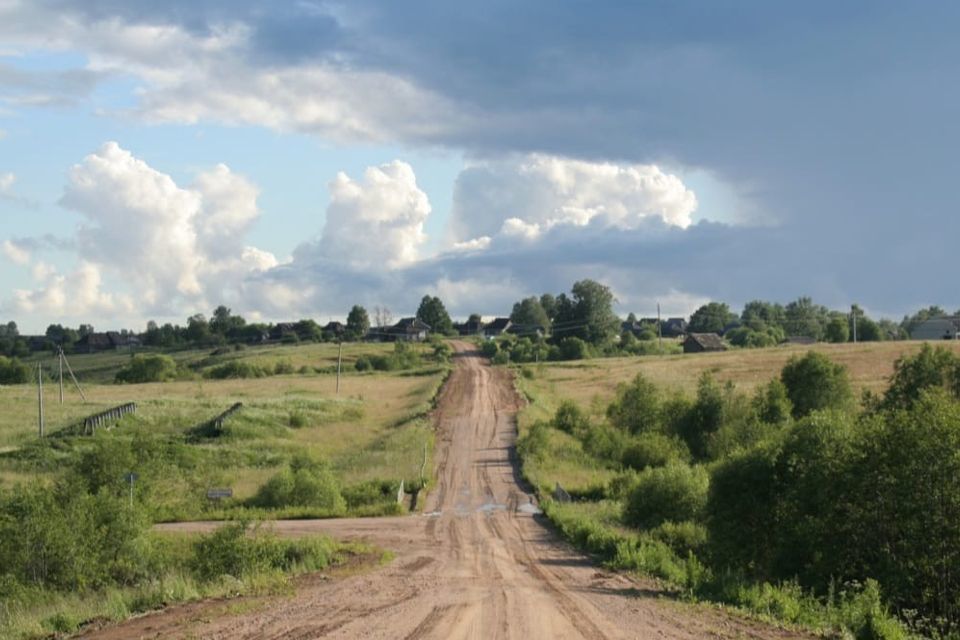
497	324
936	329
410	325
707	340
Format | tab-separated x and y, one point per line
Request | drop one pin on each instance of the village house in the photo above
703	342
496	327
942	328
408	330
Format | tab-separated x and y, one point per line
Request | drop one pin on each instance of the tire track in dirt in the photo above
477	564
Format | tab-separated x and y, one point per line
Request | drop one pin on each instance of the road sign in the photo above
219	494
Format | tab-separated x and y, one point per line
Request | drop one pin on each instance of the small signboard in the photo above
130	477
219	494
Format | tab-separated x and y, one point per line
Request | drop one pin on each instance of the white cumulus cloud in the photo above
168	247
15	253
377	222
6	182
522	196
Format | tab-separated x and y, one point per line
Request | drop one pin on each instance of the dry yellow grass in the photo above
592	383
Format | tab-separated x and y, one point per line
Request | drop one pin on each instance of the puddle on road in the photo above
463	511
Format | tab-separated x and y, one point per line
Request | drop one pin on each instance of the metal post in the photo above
853	314
339	360
131	492
40	394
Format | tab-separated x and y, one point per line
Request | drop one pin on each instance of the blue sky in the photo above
291	159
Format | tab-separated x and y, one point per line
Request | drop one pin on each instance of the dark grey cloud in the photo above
837	120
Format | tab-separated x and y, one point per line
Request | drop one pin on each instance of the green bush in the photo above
573	348
683	538
284	367
148	368
636	408
236	550
813	383
489	348
571	419
12	371
654	450
304	483
235	369
673	493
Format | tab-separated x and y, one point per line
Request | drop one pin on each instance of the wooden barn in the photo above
703	342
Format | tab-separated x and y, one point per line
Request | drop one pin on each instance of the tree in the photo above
358	323
711	318
549	304
382	316
63	336
198	331
912	375
84	330
530	312
813	383
804	318
636	408
433	313
760	315
223	322
587	314
868	330
837	329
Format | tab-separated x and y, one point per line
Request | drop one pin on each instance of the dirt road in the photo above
478	564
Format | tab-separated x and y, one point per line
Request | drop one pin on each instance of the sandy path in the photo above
480	563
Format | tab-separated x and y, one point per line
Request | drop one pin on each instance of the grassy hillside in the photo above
592	383
676	474
370	431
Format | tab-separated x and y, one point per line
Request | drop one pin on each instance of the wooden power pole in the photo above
40	394
339	360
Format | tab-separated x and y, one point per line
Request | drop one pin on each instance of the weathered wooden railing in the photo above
216	424
90	424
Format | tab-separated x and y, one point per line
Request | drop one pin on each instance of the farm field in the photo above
592	384
372	430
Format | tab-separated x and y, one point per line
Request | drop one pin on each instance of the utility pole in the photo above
853	314
659	331
72	377
339	360
40	394
60	366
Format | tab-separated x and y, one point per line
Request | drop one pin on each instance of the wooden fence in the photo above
90	424
216	424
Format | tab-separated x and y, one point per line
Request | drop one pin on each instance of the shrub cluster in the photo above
404	357
148	368
788	501
304	483
12	371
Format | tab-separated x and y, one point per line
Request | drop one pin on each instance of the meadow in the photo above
373	430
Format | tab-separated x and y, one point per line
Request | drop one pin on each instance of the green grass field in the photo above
592	385
373	429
